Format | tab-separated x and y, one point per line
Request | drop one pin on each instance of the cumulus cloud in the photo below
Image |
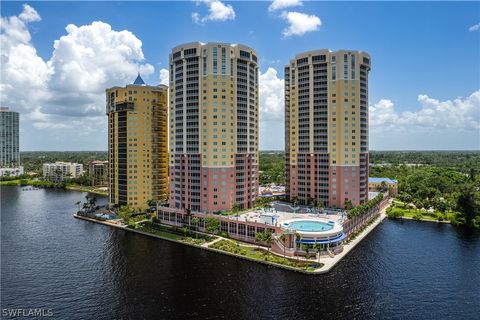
217	11
89	59
271	91
434	125
24	75
29	14
300	23
282	4
433	116
164	77
272	106
475	27
69	87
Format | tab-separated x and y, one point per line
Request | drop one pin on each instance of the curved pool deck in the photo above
315	230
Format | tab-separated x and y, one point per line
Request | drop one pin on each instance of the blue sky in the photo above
424	83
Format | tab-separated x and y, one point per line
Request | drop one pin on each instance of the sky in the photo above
57	58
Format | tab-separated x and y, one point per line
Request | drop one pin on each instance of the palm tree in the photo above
307	251
93	201
268	239
195	221
235	208
78	204
318	247
294	200
152	203
188	215
297	238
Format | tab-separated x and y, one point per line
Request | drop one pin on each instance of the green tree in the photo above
92	201
348	204
78	203
306	248
152	203
212	225
467	204
318	248
195	221
442	206
265	237
268	239
236	208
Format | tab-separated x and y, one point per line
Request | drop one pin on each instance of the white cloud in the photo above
475	27
430	125
300	23
282	4
272	106
164	77
92	57
460	114
217	11
68	89
271	90
24	75
29	14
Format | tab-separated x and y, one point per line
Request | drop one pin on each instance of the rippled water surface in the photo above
82	270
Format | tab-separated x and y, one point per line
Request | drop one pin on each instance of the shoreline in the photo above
193	245
428	220
79	188
85	189
328	262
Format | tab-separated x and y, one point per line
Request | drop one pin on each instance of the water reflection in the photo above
403	269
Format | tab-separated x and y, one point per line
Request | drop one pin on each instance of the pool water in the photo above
310	226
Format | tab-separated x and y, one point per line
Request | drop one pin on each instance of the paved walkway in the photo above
206	244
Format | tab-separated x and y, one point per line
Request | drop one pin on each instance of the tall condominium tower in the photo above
326	127
137	143
9	138
213	126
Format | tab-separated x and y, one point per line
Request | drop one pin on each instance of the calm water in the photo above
81	270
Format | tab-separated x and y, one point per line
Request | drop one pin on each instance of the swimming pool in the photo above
309	225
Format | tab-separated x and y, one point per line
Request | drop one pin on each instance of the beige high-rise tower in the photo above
213	126
326	127
137	143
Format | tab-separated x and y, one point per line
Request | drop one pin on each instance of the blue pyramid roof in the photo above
139	81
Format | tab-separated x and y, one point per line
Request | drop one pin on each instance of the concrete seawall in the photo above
328	263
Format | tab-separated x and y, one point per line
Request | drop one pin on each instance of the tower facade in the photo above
137	143
326	127
9	138
213	158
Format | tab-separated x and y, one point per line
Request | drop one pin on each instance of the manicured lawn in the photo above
87	189
174	234
160	233
396	212
262	255
10	183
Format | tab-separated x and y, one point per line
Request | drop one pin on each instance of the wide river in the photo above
82	270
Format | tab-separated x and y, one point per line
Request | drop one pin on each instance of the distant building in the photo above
377	184
61	171
11	172
98	173
326	127
137	143
9	138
